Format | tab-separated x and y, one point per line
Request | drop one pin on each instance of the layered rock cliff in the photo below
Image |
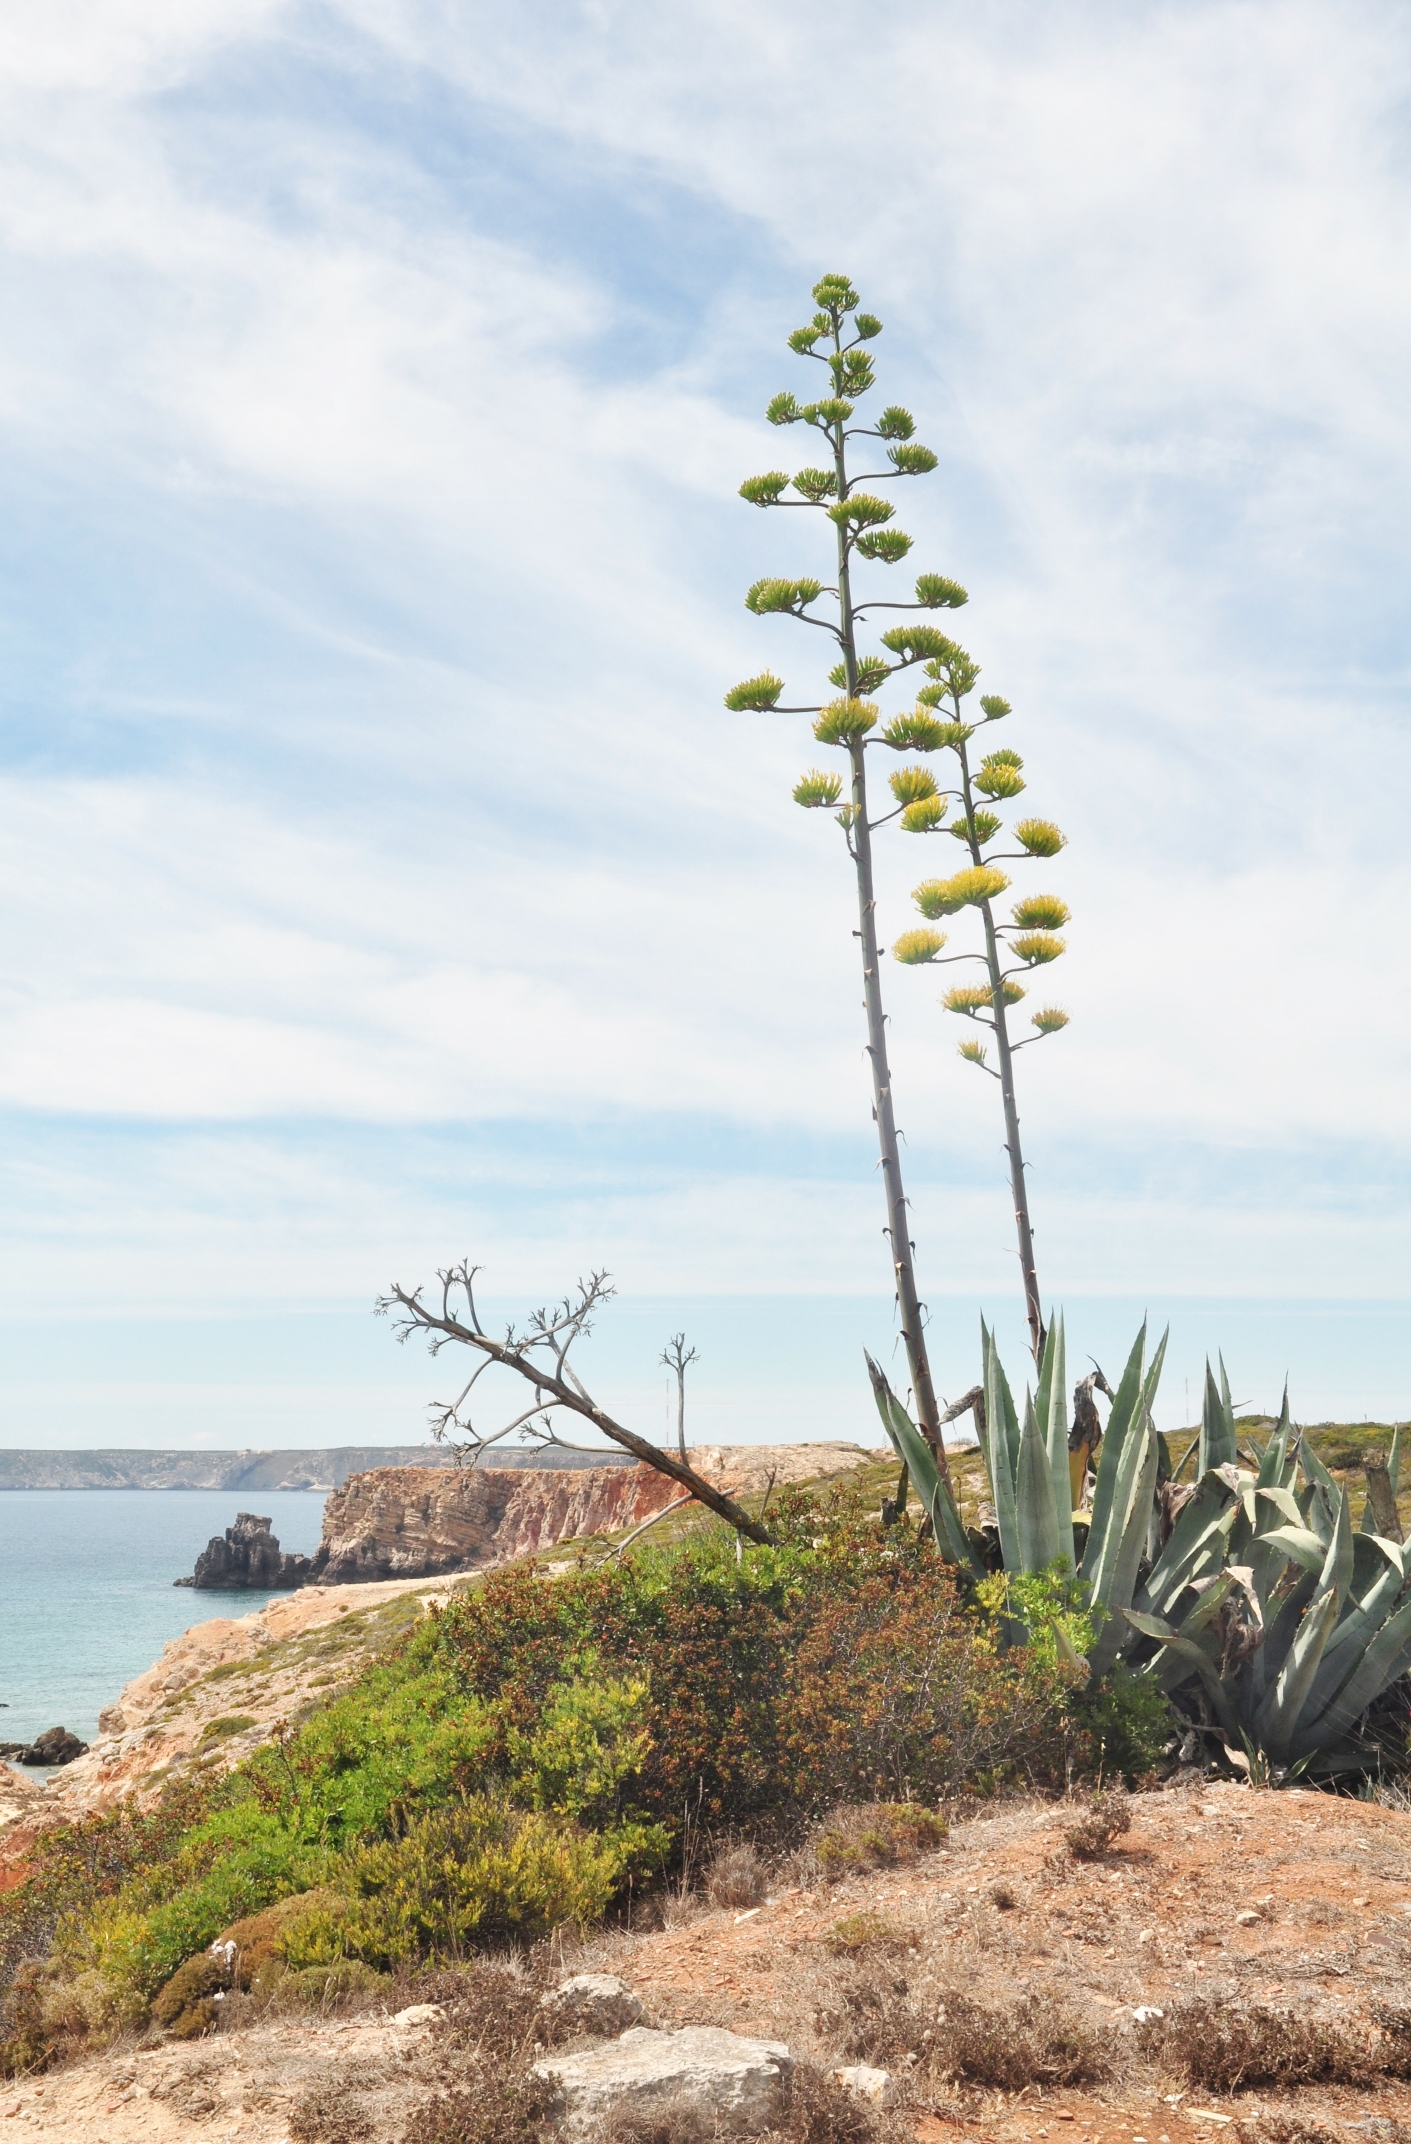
402	1522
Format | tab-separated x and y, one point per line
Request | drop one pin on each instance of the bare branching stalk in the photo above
540	1356
835	338
677	1356
1030	936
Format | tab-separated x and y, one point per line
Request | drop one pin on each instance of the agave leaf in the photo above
1199	1528
1277	1718
1283	1501
1104	1543
1036	1514
1109	1464
1217	1424
1052	1410
1001	1449
1120	1577
1394	1458
1280	1634
1296	1543
1185	1649
1314	1468
1384	1659
1350	1640
919	1460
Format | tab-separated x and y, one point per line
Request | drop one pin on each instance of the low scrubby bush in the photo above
1226	2046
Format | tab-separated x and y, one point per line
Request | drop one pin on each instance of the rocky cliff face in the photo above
403	1522
247	1555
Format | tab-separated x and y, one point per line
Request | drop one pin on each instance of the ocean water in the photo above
86	1593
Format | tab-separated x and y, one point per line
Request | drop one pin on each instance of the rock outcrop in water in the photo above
55	1746
247	1557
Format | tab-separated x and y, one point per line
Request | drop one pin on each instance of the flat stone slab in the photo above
739	2086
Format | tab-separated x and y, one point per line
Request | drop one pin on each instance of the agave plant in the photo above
1262	1608
1268	1605
1030	1484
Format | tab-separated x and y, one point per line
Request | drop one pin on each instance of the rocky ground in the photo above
1292	1900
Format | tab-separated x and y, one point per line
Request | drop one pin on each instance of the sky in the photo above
383	880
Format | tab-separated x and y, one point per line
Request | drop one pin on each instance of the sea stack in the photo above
247	1556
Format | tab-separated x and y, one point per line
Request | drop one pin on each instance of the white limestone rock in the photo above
738	2087
877	2087
596	2003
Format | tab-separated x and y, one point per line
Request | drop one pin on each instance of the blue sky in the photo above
382	878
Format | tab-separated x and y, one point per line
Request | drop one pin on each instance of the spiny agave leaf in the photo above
1337	1572
1394	1458
1385	1658
1217	1427
1035	1510
1185	1649
1349	1641
1110	1458
1119	1579
1277	1718
1298	1545
919	1460
1052	1409
1279	1636
1319	1509
1200	1532
1102	1558
1001	1447
1280	1500
1315	1471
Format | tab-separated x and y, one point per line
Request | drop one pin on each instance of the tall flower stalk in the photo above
1028	940
835	338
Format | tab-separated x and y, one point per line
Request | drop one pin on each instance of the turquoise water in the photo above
86	1594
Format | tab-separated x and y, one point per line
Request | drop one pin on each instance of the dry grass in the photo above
737	1876
858	1934
1223	2047
859	1837
513	2109
1040	2039
334	2109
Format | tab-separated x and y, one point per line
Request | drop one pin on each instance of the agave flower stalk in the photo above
836	338
1029	940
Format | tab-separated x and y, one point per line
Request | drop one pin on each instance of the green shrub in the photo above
187	2005
484	1873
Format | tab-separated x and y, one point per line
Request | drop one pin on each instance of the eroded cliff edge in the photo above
403	1522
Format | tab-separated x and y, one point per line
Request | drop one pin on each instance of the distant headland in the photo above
246	1470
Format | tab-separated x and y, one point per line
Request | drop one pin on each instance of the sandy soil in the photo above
1294	1898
